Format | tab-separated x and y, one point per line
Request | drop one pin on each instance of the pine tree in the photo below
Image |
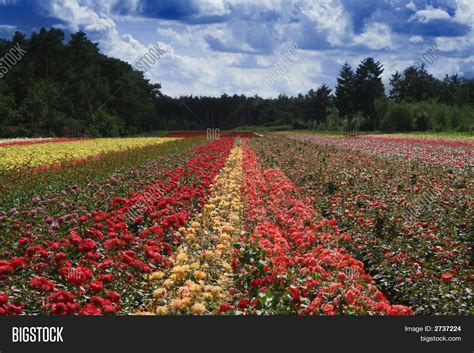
369	87
396	92
345	92
320	100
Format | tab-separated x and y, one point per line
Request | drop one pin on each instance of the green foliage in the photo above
344	100
107	124
368	87
398	117
59	87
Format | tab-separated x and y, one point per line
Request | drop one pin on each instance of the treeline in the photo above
416	101
68	88
71	89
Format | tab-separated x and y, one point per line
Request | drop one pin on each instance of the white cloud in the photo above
411	5
82	15
266	28
465	12
429	14
7	28
416	39
213	7
327	15
375	36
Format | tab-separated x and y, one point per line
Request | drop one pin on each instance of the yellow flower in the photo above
176	304
198	309
181	257
157	275
228	228
14	157
215	289
200	275
159	293
208	255
144	313
191	238
161	310
168	283
186	301
207	296
222	247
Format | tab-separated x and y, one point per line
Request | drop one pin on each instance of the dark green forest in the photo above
66	87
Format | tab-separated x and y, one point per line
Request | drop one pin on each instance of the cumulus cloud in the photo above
375	36
429	14
416	39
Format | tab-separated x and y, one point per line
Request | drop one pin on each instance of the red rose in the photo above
43	284
90	309
18	262
327	308
350	297
446	277
296	295
3	299
87	245
400	310
112	295
75	238
107	278
341	276
224	307
242	304
5	270
96	286
110	309
83	219
23	241
14	309
62	297
58	309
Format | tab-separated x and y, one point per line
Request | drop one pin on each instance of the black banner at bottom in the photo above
195	334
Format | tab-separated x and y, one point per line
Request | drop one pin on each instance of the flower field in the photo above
409	221
235	226
15	156
455	153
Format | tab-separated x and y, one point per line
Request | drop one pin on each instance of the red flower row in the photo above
291	260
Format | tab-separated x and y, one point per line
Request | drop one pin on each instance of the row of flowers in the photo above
454	153
290	260
34	141
33	155
429	140
200	278
98	266
408	222
213	133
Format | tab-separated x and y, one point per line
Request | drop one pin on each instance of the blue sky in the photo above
216	46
